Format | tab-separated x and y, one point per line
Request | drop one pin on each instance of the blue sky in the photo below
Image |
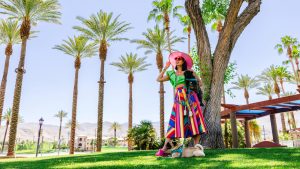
48	83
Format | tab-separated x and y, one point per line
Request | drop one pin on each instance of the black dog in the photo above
192	84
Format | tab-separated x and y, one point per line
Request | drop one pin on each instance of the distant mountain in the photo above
29	131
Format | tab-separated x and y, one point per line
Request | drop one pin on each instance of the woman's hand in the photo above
161	77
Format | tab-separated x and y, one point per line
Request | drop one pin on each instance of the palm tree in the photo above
283	75
245	83
155	41
291	117
129	64
115	126
103	29
29	12
7	117
61	114
271	74
79	48
266	90
9	36
186	22
215	11
162	10
288	43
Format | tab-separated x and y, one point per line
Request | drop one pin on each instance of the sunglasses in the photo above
179	58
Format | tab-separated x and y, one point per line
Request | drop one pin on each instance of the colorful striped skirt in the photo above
186	118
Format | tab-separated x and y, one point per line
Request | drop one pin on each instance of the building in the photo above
84	143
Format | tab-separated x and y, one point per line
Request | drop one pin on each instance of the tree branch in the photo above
234	8
193	9
244	19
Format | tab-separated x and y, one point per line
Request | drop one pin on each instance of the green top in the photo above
174	79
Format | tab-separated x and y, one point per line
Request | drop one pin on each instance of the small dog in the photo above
196	151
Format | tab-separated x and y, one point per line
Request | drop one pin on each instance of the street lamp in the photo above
38	143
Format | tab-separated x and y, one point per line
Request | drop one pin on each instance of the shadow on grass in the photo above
241	158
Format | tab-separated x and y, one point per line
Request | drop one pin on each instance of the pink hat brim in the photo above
186	57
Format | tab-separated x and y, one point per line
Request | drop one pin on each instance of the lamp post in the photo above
38	143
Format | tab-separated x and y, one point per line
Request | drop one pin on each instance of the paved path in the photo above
44	154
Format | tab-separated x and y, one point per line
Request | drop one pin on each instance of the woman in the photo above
186	118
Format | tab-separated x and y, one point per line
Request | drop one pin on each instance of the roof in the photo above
263	108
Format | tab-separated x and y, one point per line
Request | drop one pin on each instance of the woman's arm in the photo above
161	77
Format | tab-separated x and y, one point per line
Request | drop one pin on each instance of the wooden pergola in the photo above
257	110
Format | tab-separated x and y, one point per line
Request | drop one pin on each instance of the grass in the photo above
230	158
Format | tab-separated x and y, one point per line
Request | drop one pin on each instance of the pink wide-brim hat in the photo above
186	57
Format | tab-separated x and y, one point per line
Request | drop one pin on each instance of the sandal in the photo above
161	153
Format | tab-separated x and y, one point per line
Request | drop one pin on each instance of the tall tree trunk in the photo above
293	65
59	134
189	39
100	108
102	56
246	95
162	107
213	70
3	143
8	53
74	110
16	101
167	28
130	114
291	117
297	64
159	63
282	119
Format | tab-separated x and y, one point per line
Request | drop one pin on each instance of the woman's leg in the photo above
165	145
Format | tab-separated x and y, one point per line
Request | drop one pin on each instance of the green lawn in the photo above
232	158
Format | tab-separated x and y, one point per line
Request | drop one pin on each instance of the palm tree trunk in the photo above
162	107
100	107
130	115
3	143
16	101
8	52
282	119
297	64
294	70
167	28
59	134
291	117
246	95
74	111
189	40
159	62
